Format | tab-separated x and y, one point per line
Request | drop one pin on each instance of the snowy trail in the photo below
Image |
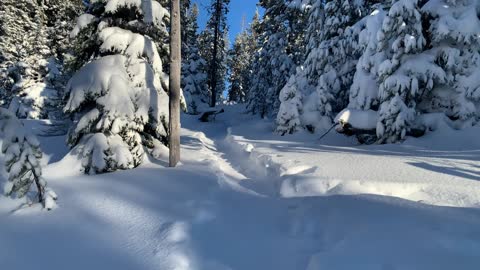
442	168
223	209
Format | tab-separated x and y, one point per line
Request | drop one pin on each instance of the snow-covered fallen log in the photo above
351	121
363	124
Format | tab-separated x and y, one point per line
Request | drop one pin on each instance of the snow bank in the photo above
426	169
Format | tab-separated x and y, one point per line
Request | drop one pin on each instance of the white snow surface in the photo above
246	198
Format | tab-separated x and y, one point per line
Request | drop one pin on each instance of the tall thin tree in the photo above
175	77
214	64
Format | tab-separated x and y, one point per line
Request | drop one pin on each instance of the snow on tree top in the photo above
131	44
158	11
458	19
108	73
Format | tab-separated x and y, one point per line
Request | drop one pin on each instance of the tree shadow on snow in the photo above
443	169
377	150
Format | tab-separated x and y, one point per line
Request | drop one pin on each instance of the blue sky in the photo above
238	9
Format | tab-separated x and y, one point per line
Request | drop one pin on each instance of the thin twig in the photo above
328	131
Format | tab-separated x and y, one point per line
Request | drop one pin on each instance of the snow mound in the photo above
358	118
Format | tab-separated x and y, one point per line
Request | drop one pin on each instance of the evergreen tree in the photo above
291	108
237	62
327	72
277	56
339	52
453	35
122	107
364	91
240	62
418	59
406	73
251	48
194	68
35	40
189	17
61	16
213	44
22	161
25	58
302	83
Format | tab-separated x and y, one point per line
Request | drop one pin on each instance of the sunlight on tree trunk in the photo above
175	73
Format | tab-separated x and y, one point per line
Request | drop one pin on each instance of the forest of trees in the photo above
100	68
395	64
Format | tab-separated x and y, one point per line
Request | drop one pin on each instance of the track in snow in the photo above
222	209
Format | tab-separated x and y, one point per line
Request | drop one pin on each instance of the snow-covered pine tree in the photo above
275	61
237	61
339	51
297	18
240	61
364	90
454	39
289	113
332	52
61	16
15	44
189	18
22	161
25	61
216	64
194	68
406	73
317	102
119	99
291	108
253	33
419	58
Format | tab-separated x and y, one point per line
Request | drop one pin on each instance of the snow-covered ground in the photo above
246	199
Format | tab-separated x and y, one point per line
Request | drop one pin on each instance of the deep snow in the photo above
246	199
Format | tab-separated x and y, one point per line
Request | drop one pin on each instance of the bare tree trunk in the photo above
175	73
40	188
214	66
